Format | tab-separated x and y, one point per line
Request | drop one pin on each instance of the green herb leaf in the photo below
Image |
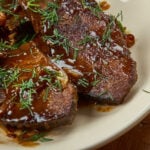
61	40
83	82
87	39
8	76
26	91
48	15
113	20
93	7
36	137
4	45
108	30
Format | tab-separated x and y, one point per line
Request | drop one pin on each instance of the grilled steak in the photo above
91	46
34	93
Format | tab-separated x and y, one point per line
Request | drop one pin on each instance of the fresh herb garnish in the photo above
83	82
31	4
26	91
120	14
94	7
39	137
61	40
46	94
14	4
108	31
9	9
58	58
24	137
49	15
58	39
4	45
8	76
52	80
34	74
107	93
97	78
86	39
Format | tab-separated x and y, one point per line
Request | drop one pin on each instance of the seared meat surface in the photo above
37	93
53	49
97	58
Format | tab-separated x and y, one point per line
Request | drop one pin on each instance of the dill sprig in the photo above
52	81
49	15
58	39
61	40
4	45
13	5
108	31
9	9
58	58
31	4
26	91
94	8
83	82
86	39
97	78
8	76
41	137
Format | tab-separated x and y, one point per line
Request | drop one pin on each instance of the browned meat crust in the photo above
58	108
106	62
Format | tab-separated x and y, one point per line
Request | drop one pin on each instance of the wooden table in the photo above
136	139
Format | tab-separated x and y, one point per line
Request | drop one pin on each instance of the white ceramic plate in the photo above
93	129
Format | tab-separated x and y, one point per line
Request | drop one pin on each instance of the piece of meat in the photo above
35	93
103	69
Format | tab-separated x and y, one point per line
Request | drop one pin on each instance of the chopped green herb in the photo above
48	15
14	4
34	73
75	54
95	82
31	4
34	138
46	94
9	9
108	30
8	76
4	45
102	93
97	78
87	39
58	57
109	95
51	79
120	14
83	82
57	85
26	91
61	40
95	9
107	33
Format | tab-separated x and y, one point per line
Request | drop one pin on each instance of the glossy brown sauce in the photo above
18	136
104	5
87	103
13	133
